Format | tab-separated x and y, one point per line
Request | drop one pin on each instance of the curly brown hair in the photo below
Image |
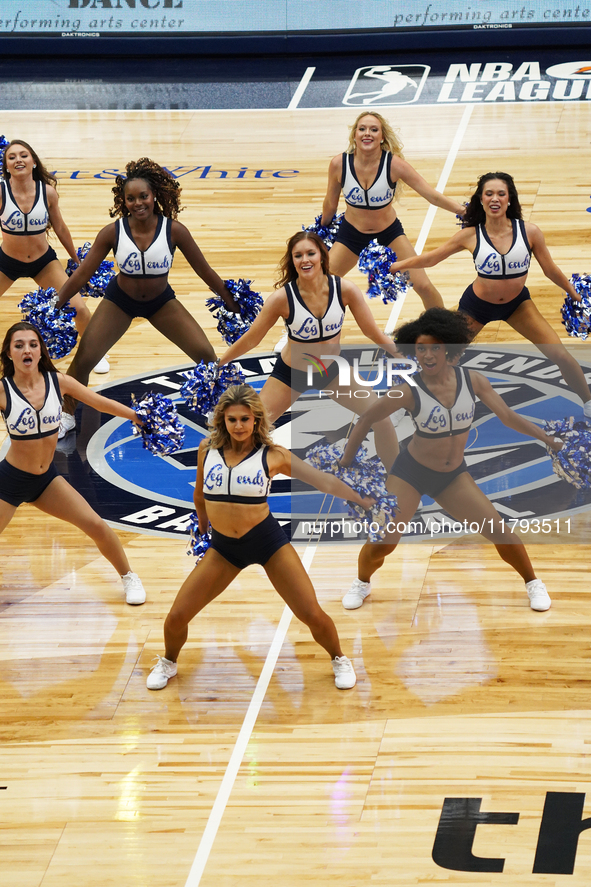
6	364
166	190
241	395
286	267
449	327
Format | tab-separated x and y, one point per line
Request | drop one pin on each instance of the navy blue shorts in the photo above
255	547
485	312
18	486
425	480
13	269
134	308
356	240
297	380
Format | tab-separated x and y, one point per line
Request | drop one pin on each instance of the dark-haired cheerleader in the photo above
30	401
143	240
501	244
29	208
441	405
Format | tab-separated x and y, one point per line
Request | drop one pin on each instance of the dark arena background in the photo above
461	756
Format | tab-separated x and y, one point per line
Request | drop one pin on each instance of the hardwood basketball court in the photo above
250	768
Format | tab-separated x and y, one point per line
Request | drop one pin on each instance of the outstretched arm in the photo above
69	385
274	308
333	191
386	405
353	299
547	263
104	242
464	239
401	169
284	462
181	237
484	390
58	224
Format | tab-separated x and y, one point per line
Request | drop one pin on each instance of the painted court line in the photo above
424	233
225	789
301	88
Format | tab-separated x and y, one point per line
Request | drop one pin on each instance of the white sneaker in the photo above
67	424
539	599
161	673
281	343
587	409
344	676
135	592
103	366
356	595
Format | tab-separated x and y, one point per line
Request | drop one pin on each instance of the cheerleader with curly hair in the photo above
369	174
441	403
29	209
143	239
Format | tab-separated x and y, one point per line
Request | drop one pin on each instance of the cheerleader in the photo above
25	251
312	303
441	405
30	400
501	244
368	174
143	239
234	472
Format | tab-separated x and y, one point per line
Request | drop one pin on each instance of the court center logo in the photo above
137	491
378	85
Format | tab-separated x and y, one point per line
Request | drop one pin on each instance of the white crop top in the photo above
248	482
489	262
156	261
379	194
303	326
432	419
22	420
14	221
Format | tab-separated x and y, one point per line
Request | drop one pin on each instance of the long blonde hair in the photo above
241	395
391	142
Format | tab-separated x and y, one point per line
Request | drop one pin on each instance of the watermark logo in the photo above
395	371
315	364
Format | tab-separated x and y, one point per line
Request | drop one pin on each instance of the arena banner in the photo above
158	18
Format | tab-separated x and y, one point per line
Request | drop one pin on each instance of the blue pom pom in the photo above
327	233
366	476
4	142
199	542
162	432
576	316
207	382
462	218
573	462
375	261
231	325
101	278
56	328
